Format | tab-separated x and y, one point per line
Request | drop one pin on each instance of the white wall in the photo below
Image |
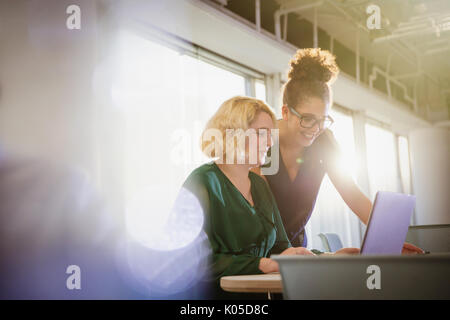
430	166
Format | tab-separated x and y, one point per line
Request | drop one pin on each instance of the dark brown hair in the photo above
312	72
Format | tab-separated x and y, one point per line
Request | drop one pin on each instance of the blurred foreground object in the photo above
50	219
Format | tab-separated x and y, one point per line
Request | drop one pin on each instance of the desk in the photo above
270	283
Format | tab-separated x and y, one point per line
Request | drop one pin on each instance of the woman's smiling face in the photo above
313	107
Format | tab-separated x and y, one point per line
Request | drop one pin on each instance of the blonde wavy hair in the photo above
236	114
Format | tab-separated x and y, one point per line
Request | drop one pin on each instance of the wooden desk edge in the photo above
256	286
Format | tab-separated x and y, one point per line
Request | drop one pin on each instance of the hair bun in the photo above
313	64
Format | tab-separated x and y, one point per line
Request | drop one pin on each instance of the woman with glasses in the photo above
308	149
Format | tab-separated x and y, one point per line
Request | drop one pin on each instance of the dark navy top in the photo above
296	199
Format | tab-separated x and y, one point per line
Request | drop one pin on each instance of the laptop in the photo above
388	223
349	277
352	276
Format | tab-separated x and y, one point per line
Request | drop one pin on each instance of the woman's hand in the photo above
297	251
268	265
411	249
347	251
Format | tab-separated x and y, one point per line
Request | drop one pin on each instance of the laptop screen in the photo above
388	223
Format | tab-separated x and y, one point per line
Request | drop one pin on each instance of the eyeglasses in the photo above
309	121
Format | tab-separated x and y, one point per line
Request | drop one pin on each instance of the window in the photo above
381	160
260	90
165	98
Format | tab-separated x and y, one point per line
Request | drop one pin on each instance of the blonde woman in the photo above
242	221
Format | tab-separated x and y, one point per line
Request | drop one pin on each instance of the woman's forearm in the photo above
351	194
356	200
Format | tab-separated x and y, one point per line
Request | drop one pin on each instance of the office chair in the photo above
331	242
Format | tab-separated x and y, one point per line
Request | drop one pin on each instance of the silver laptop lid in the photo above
388	223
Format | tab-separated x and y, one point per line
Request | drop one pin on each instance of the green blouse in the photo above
239	234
